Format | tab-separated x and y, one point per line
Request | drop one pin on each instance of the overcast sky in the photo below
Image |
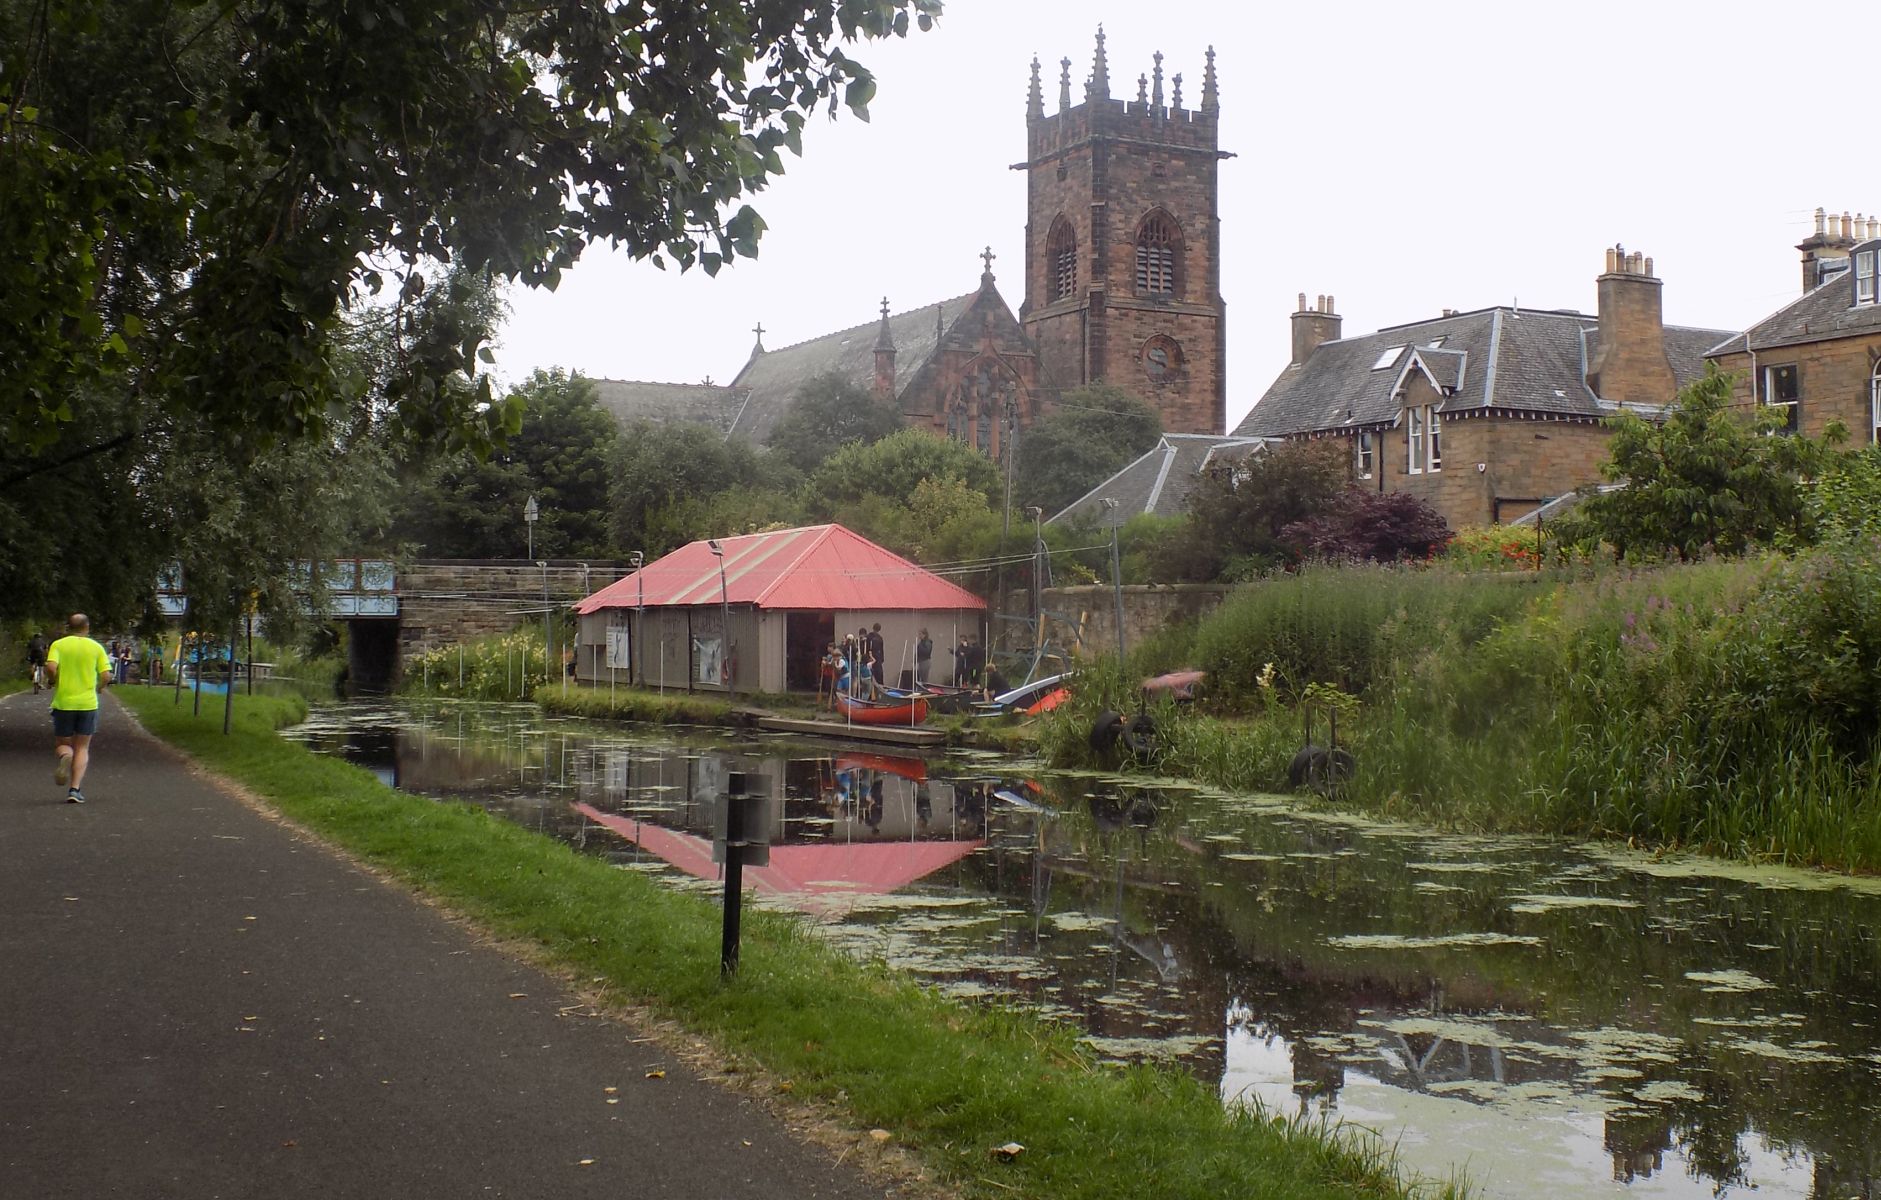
1404	158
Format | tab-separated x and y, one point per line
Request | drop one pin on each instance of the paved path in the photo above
197	1002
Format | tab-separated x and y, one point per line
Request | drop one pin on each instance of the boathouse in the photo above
787	595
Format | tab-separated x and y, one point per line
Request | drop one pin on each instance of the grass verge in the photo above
948	1080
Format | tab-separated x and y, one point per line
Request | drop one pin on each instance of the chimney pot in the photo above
1848	225
1649	266
1302	307
1821	221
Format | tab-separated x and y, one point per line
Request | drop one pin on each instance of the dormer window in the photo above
1864	276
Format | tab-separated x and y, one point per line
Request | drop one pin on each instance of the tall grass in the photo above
507	666
1728	706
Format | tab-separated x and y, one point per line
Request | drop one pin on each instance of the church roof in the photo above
635	400
771	379
818	567
1160	480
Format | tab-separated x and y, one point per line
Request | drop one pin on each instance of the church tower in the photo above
1123	242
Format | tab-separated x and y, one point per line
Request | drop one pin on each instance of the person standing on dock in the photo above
878	660
923	659
80	670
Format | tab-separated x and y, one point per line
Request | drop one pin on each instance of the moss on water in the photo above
949	1080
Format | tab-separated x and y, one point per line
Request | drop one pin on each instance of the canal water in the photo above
1547	1018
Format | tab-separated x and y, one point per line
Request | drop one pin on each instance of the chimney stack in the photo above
1631	364
1313	326
1825	252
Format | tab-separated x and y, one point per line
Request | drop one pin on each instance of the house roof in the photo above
771	379
820	567
1160	480
1525	360
635	400
1823	313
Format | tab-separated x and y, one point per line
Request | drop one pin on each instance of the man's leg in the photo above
81	758
63	747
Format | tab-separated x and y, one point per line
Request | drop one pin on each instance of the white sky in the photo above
1404	158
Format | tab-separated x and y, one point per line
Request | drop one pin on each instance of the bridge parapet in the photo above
452	600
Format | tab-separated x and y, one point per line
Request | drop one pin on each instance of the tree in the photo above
1372	526
1706	479
827	413
1236	514
668	481
1090	434
470	507
893	467
194	192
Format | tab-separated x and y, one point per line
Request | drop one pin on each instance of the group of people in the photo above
123	653
856	667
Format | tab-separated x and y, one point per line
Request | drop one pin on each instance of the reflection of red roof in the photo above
817	567
817	877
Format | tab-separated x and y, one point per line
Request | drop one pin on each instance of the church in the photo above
1122	279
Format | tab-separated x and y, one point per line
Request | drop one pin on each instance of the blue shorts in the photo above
70	722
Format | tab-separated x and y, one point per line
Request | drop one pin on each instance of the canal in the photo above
1550	1018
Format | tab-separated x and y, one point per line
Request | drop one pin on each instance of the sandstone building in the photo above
1122	285
1486	414
1819	356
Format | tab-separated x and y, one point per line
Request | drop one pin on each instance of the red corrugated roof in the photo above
819	567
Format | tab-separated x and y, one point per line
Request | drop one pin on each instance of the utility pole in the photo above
1116	572
548	640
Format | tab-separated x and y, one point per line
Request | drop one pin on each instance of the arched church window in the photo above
984	438
1062	258
1157	246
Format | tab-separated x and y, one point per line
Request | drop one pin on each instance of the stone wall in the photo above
446	601
1084	619
1834	382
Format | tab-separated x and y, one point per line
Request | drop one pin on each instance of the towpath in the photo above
197	1001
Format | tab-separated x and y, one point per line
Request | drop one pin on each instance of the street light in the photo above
635	655
548	641
1116	570
530	513
725	618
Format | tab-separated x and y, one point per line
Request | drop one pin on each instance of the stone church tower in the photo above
1123	242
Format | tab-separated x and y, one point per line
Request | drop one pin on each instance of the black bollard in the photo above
734	877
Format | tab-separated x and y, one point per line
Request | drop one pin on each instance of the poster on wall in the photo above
708	658
619	649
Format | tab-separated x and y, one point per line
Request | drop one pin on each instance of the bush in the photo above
508	666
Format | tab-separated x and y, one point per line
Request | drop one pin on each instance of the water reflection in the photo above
1563	1020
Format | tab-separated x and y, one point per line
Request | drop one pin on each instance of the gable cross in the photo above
987	257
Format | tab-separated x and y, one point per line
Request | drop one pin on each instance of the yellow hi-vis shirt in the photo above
80	661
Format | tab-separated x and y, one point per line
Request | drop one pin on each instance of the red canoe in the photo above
902	712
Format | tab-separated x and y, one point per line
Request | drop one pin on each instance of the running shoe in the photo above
74	796
62	774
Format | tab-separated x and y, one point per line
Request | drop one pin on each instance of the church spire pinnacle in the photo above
884	340
1099	87
1034	95
1156	80
1064	84
1211	100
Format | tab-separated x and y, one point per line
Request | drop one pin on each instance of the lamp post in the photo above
725	619
1116	571
548	640
635	655
530	512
